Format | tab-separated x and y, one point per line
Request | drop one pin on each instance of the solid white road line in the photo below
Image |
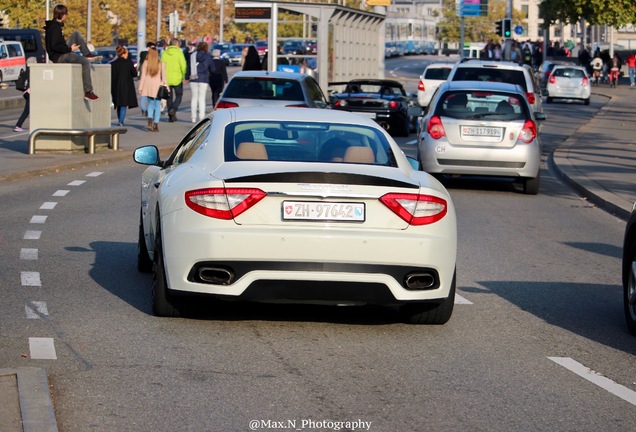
42	348
60	193
596	378
48	206
30	278
32	235
38	219
28	254
36	310
76	183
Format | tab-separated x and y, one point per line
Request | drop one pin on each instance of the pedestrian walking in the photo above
631	68
200	67
250	59
123	73
176	67
153	75
218	78
143	103
26	94
61	50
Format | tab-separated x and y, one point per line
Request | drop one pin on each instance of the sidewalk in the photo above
599	161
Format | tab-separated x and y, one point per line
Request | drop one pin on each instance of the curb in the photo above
36	406
12	102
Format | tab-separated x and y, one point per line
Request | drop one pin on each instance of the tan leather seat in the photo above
358	154
251	150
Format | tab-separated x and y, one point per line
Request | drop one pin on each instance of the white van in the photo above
12	60
473	50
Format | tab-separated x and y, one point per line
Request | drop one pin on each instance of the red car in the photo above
261	47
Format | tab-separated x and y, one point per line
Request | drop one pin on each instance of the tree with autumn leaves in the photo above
201	19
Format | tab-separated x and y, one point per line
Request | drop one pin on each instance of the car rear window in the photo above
267	88
568	72
437	73
482	104
307	142
494	74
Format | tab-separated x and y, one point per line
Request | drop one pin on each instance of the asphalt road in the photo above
538	341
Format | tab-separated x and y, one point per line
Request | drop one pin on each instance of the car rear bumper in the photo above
522	160
283	263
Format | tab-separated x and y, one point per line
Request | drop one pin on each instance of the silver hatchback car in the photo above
482	128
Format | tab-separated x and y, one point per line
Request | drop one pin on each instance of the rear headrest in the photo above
251	150
359	155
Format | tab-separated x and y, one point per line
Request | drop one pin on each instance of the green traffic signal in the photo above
507	28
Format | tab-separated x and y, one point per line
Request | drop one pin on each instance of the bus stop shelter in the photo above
350	42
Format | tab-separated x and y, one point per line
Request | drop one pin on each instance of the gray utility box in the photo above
57	102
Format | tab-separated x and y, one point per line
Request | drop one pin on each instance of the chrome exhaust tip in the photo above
420	281
215	275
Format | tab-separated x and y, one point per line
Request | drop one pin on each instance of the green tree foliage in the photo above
616	13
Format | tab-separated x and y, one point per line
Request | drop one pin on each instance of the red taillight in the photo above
393	104
420	86
222	203
530	97
340	103
435	128
552	79
297	106
585	82
528	132
224	104
416	209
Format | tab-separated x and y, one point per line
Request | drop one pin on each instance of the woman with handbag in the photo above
153	80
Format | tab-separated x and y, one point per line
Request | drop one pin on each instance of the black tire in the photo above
430	313
163	303
586	101
405	129
144	263
531	185
548	100
629	289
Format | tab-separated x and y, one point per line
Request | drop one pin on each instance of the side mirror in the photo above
415	111
147	155
540	116
544	92
414	163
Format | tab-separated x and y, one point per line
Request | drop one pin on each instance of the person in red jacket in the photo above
631	67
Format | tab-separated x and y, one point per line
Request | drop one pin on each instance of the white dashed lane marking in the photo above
596	378
60	193
77	183
28	254
94	174
42	348
48	206
36	310
32	235
30	278
38	219
461	300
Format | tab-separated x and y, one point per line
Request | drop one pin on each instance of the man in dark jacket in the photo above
218	79
61	50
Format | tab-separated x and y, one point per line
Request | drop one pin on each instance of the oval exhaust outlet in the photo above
215	275
419	281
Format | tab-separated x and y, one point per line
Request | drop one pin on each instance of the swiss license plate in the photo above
481	131
366	114
323	211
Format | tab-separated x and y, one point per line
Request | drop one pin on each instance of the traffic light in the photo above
506	28
499	27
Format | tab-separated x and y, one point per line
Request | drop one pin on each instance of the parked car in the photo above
629	272
223	48
434	74
234	54
12	60
499	71
272	205
272	89
482	128
296	47
568	82
261	47
108	55
384	101
543	72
